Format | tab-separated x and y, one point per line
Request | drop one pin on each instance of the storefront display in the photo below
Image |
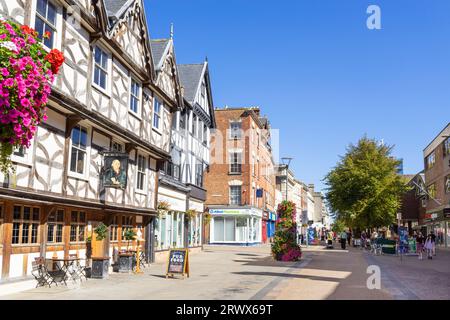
238	226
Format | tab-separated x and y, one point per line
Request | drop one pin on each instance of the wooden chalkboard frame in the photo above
185	271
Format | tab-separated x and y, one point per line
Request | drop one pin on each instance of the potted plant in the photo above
126	259
100	263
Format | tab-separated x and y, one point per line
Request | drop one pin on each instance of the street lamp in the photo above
286	162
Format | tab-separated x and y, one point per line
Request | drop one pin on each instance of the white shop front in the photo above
241	226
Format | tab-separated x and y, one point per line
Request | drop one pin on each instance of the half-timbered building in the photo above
108	98
181	178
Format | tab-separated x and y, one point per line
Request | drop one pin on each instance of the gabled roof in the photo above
115	8
159	48
190	78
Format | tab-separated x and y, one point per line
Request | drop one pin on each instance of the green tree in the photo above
364	188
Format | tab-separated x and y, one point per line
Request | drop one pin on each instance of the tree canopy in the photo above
364	189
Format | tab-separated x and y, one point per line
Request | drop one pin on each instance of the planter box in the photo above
126	263
100	267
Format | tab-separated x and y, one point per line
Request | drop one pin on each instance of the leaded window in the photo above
25	225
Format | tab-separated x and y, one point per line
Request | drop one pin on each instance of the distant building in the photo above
241	180
437	178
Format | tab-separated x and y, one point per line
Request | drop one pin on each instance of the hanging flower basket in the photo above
190	214
27	72
163	208
207	218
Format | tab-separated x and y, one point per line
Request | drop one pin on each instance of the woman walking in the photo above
429	247
419	245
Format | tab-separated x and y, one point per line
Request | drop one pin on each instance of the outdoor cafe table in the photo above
66	264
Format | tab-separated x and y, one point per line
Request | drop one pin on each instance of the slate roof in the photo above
190	76
158	47
113	7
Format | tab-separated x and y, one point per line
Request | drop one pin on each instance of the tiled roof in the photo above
158	47
190	77
113	7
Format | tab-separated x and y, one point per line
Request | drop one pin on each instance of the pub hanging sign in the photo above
115	170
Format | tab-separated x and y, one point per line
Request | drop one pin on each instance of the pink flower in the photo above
8	82
4	72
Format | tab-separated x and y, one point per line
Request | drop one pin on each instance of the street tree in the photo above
364	187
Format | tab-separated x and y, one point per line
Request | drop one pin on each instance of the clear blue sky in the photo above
319	74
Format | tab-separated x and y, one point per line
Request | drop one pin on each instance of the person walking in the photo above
349	237
343	239
419	245
429	247
433	243
363	239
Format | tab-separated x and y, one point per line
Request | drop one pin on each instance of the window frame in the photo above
446	147
57	40
114	230
431	189
231	195
107	70
141	174
53	227
233	131
21	221
73	174
235	163
78	225
133	96
447	184
157	115
430	165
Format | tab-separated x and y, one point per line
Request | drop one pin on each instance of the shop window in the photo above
25	225
55	227
77	226
219	229
114	229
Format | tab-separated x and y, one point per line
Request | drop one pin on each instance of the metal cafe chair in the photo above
40	274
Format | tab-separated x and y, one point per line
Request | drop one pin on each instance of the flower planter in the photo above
100	267
126	262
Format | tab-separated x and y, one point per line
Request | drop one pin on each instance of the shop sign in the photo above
223	211
265	215
259	193
114	172
178	262
447	212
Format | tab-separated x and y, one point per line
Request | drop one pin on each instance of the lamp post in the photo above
286	162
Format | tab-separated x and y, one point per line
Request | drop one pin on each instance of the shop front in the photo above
271	226
439	223
240	226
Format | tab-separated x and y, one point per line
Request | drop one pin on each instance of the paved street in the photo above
249	273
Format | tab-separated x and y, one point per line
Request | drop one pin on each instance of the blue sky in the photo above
319	74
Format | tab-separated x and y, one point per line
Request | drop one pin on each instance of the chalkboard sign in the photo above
178	262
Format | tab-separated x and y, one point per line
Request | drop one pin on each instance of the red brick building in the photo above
241	180
437	178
